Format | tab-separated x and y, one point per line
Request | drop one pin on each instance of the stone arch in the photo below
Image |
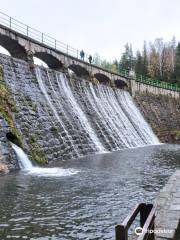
4	51
102	78
120	84
13	47
79	70
49	59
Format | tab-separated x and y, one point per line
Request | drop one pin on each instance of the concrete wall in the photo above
139	88
168	210
162	112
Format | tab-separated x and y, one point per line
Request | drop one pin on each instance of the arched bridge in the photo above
25	43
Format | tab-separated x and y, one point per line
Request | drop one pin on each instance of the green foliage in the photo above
139	63
144	60
30	103
7	106
176	133
34	79
176	74
127	59
160	60
36	153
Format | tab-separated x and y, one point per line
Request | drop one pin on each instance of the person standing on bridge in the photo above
82	55
90	59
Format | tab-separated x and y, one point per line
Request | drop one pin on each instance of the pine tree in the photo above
144	60
127	60
139	63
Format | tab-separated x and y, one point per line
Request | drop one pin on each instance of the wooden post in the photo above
121	233
144	212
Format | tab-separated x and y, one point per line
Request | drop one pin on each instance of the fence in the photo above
34	34
43	38
150	81
147	216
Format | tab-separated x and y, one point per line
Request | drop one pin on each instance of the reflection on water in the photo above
86	205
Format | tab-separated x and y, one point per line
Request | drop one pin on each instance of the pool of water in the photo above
89	203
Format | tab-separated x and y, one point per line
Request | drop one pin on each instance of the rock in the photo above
3	169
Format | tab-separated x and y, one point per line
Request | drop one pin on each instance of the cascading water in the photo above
26	165
94	118
134	115
64	84
44	91
108	118
24	162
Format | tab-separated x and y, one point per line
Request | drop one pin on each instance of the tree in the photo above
127	60
115	66
97	59
176	75
153	66
173	47
139	63
167	67
144	60
159	46
107	65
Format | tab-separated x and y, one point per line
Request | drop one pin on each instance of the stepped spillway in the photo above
70	117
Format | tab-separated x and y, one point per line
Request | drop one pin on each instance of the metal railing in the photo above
51	42
36	35
150	81
147	217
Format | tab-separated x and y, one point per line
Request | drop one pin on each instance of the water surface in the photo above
88	204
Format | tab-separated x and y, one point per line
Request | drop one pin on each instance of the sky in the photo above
100	26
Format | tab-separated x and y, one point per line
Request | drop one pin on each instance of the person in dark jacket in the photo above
82	55
90	59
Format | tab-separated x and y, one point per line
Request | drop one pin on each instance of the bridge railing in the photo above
34	34
147	217
150	81
43	38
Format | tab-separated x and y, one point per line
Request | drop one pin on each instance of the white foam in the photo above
52	172
28	168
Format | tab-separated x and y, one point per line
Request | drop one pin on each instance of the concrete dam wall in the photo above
162	112
55	116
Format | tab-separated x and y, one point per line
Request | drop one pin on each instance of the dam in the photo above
69	110
87	141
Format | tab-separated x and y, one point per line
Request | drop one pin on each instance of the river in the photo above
89	203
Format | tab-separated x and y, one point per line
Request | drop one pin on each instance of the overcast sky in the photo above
102	26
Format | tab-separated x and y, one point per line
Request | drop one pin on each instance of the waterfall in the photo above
136	118
94	117
24	162
63	83
44	91
27	166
